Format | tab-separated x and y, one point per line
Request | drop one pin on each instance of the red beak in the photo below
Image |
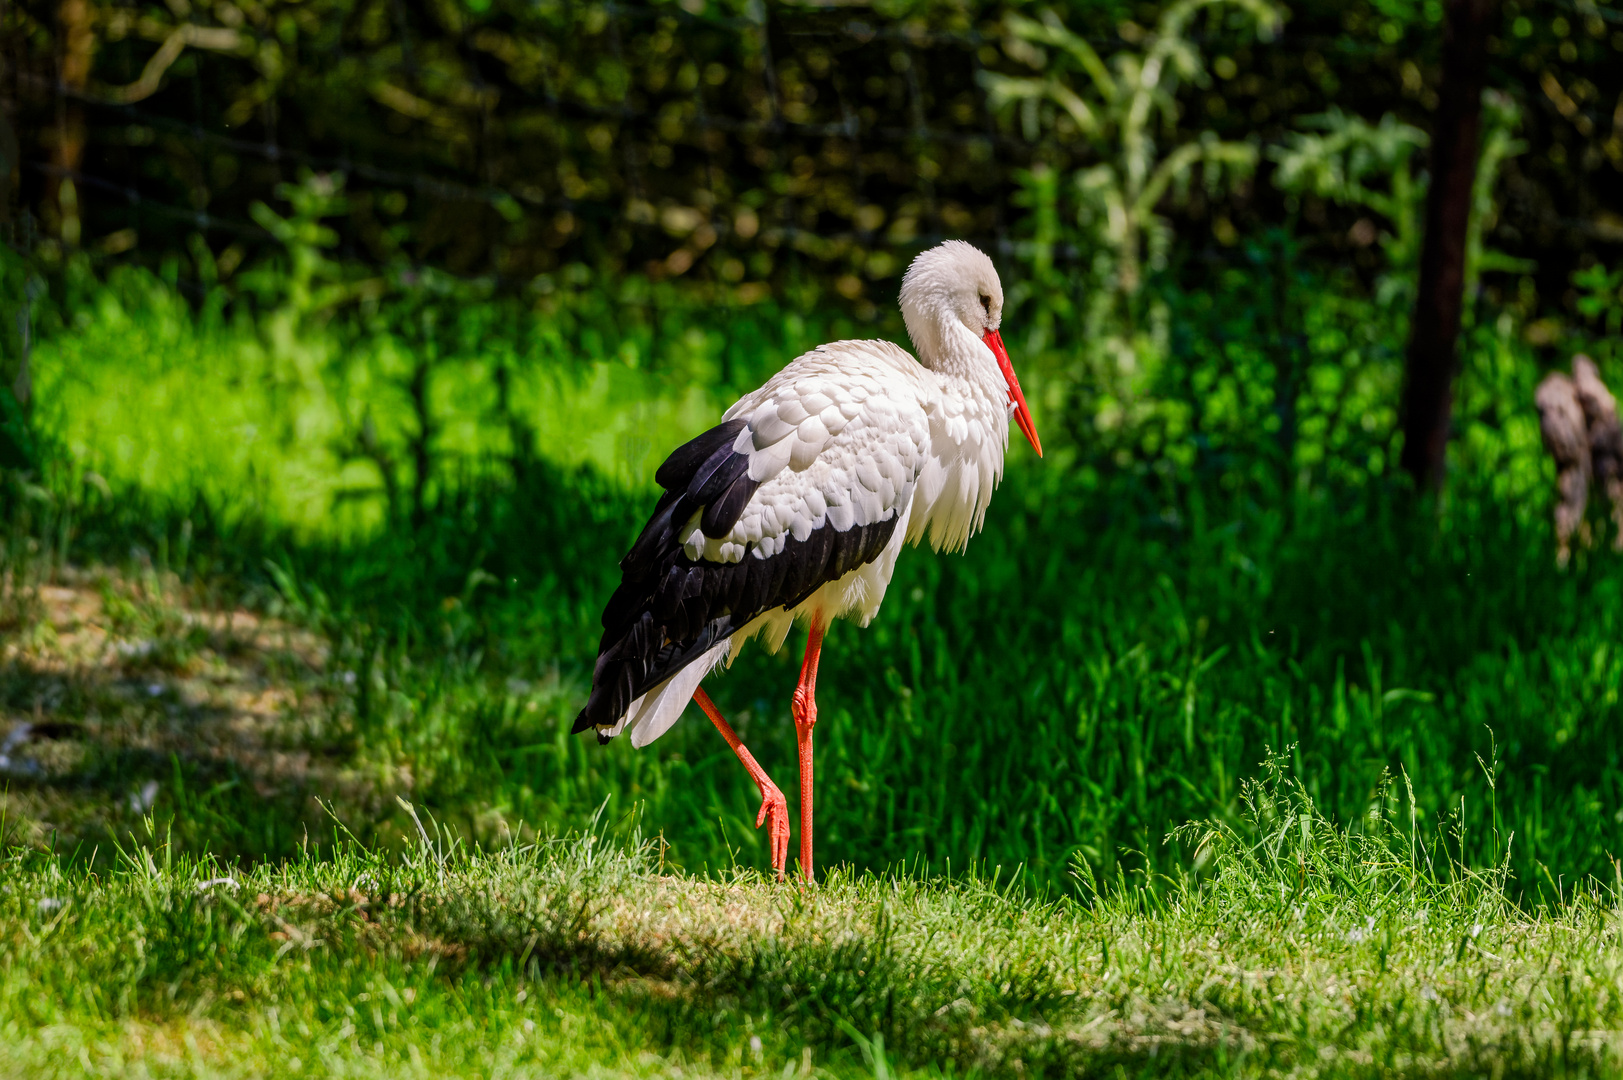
1022	414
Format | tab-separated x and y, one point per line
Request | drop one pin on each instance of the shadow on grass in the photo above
1108	660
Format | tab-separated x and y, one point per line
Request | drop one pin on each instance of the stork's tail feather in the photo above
631	668
659	620
649	716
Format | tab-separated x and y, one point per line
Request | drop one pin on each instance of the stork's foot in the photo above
774	811
774	816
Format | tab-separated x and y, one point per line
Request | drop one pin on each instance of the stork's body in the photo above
797	504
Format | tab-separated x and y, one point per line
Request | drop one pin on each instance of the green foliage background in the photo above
771	143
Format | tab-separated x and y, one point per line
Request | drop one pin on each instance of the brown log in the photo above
1566	437
1605	438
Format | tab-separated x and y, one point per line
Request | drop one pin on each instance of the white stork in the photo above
796	505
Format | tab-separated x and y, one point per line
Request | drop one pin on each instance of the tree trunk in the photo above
78	46
1428	395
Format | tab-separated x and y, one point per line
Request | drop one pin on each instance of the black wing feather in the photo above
679	468
716	475
721	515
670	610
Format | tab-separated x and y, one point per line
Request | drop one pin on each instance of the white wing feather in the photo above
854	431
837	437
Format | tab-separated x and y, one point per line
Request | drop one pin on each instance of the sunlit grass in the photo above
1298	947
268	419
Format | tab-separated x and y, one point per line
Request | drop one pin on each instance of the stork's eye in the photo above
986	303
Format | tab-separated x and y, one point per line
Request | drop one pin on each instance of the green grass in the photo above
1297	948
266	414
1035	700
1110	659
224	643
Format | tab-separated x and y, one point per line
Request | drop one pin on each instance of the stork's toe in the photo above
775	816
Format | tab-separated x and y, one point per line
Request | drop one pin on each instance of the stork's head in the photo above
953	304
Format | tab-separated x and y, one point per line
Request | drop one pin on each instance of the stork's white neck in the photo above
946	346
969	432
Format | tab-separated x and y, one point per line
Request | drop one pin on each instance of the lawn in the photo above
1172	771
1297	948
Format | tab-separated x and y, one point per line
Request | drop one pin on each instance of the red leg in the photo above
774	810
805	710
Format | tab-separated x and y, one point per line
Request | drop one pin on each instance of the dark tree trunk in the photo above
78	49
1428	394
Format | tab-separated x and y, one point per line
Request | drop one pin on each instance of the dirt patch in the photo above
122	697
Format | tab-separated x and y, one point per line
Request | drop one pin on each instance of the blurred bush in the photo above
750	147
334	399
1209	248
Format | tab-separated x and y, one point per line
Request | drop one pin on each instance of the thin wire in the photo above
778	130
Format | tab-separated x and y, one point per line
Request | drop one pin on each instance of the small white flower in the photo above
141	801
154	689
49	903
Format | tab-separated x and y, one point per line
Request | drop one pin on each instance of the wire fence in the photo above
730	147
800	138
